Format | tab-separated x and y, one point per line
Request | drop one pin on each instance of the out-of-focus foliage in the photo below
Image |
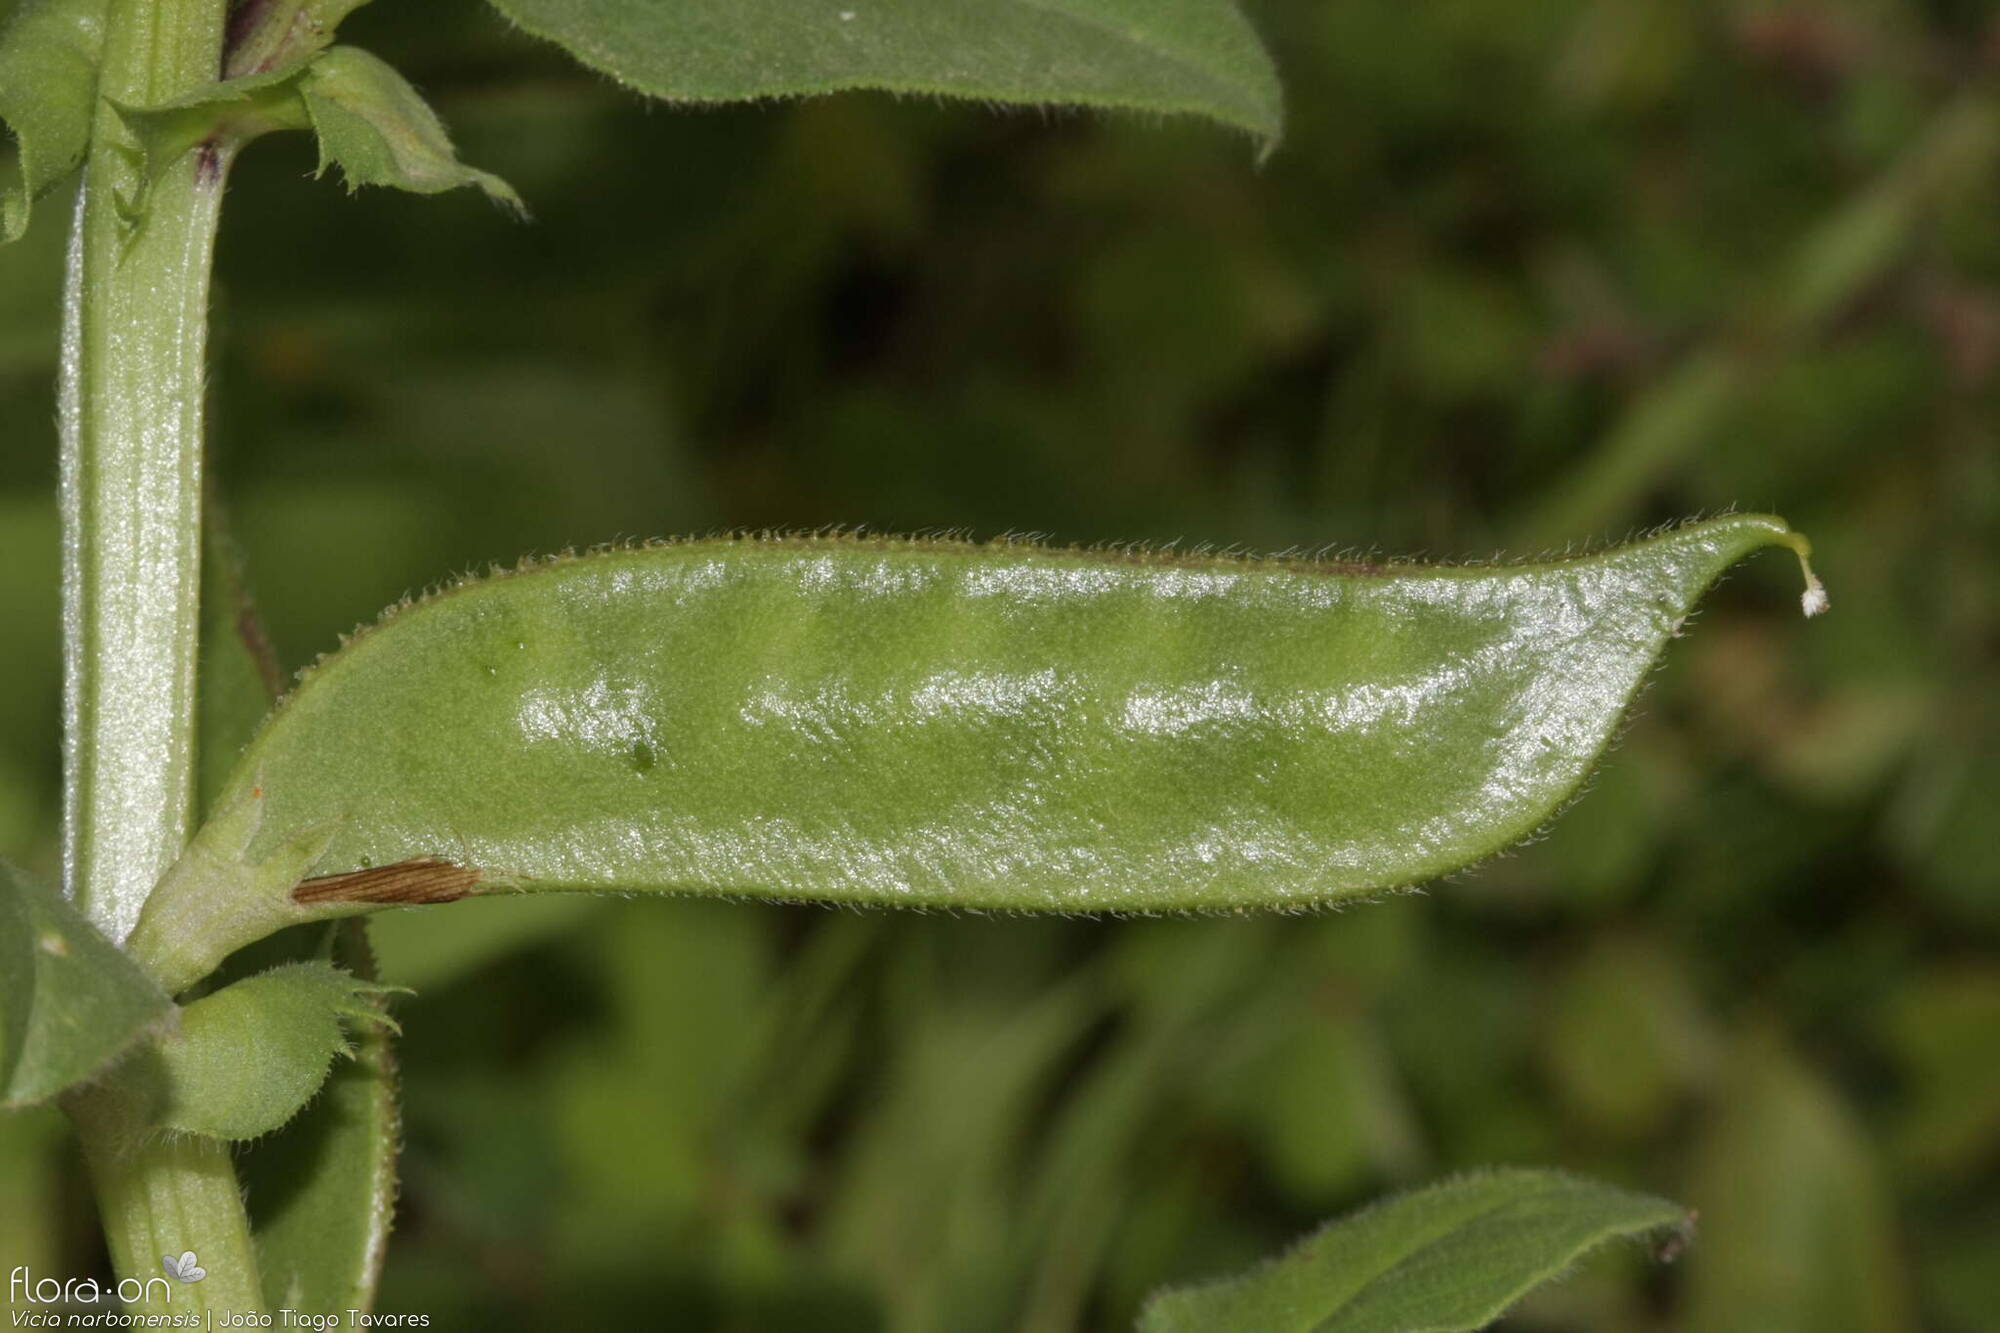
1755	970
1450	1258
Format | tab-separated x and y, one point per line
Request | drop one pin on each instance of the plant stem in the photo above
135	317
165	1196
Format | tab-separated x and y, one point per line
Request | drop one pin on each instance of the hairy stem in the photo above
134	329
160	1195
135	317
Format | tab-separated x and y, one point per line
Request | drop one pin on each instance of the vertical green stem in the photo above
166	1196
135	322
134	333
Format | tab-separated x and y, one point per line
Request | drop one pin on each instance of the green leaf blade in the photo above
379	130
1189	56
287	1024
70	1002
49	54
1445	1259
937	724
322	1189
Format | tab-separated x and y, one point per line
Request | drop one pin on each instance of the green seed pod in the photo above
946	725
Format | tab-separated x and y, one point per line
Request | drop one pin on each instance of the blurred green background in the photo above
1522	274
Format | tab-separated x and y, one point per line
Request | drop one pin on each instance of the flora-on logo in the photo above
183	1269
24	1288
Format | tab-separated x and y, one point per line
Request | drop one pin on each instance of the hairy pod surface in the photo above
948	725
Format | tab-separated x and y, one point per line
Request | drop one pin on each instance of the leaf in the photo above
379	131
231	113
1448	1258
1196	56
322	1190
370	123
48	94
936	724
70	1001
286	1024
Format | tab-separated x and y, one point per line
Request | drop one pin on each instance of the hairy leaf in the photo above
230	114
1449	1258
1196	56
285	1024
322	1191
369	121
379	131
934	723
48	91
70	1002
